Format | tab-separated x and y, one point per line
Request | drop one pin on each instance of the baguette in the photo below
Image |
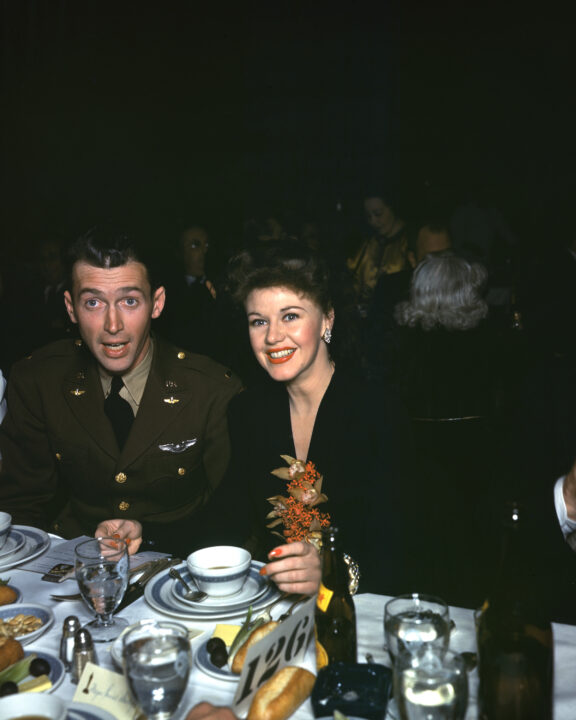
282	695
252	639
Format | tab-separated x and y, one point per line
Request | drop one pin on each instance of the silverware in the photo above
193	595
288	612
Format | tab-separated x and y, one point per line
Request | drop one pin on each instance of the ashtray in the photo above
355	689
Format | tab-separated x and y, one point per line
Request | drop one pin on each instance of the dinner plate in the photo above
203	661
253	588
36	542
40	611
14	542
84	711
158	595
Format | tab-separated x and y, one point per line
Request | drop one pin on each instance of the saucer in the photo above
253	588
13	543
158	594
36	541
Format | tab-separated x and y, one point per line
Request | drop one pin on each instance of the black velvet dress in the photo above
360	444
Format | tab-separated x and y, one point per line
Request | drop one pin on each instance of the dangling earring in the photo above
327	336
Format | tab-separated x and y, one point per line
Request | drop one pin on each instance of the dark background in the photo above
143	112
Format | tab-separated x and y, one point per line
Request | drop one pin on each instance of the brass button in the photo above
78	342
228	374
58	456
121	478
181	471
181	356
123	506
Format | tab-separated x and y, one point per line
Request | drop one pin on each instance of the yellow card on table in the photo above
107	690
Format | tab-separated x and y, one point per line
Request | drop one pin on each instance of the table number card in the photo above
285	645
106	690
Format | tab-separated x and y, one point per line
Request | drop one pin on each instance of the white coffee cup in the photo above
5	527
34	704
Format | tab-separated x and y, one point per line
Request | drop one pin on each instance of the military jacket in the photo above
62	468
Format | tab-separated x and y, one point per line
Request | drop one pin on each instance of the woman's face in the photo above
286	333
379	215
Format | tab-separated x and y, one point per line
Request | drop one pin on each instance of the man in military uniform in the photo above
69	464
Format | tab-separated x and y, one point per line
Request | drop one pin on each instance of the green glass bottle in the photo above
335	613
515	642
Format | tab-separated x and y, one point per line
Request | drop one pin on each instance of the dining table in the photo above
203	687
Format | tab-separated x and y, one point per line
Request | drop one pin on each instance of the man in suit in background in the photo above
115	432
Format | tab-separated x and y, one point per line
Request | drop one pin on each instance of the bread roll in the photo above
255	635
10	652
282	695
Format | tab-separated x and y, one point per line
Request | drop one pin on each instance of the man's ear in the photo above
412	259
158	300
70	306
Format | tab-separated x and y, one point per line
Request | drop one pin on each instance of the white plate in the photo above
36	542
14	542
40	611
202	658
158	595
253	588
84	711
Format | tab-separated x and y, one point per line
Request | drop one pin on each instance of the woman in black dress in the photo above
314	411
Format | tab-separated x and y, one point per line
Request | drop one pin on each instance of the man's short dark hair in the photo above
108	247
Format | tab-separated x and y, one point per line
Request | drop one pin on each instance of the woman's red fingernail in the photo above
262	570
128	541
275	553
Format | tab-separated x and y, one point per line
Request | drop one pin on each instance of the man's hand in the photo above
569	491
296	568
206	711
129	530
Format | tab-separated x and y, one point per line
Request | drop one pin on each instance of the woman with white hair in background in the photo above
447	371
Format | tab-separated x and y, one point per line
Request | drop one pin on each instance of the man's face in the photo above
114	308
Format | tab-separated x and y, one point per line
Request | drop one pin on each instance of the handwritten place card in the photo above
285	645
107	690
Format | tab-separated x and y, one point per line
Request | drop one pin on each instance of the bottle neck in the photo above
334	572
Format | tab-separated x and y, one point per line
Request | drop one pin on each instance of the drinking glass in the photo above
411	621
429	685
157	662
102	574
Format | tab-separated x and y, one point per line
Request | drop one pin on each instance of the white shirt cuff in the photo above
566	524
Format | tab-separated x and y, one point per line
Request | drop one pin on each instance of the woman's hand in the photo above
129	530
296	568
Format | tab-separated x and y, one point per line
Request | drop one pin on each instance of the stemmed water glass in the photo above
157	662
102	573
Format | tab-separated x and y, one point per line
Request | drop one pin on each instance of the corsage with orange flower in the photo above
298	513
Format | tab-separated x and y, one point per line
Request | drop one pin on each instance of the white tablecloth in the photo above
369	613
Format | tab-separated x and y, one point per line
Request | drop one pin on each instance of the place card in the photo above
287	644
106	690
